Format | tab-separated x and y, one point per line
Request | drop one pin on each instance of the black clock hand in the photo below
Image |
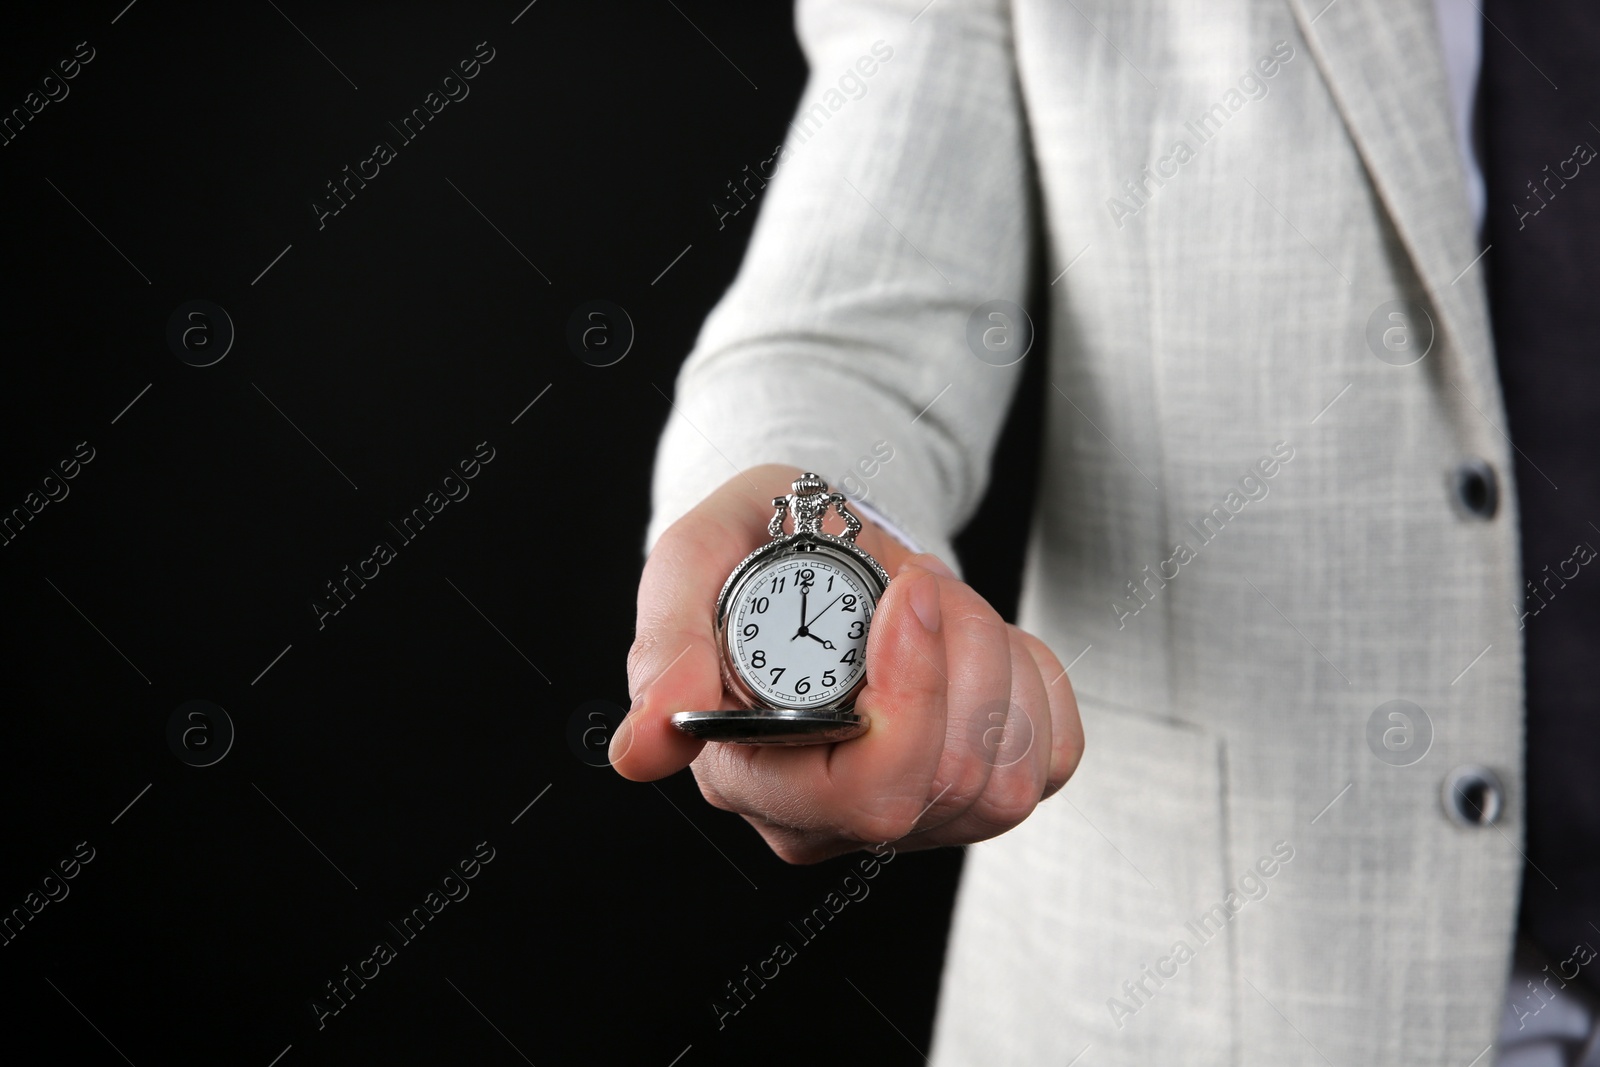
831	603
802	631
814	637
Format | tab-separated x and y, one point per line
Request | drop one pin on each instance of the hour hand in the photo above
802	632
814	637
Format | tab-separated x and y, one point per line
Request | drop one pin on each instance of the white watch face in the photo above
798	632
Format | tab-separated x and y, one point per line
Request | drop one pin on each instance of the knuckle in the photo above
640	653
1063	765
887	823
966	772
979	643
1038	649
1009	799
659	649
1053	680
966	604
978	624
789	851
710	792
794	847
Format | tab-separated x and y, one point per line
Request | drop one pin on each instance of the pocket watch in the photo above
791	627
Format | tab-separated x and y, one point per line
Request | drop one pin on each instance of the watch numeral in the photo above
777	672
761	605
858	629
803	686
830	583
750	630
848	657
808	576
777	585
827	678
758	658
848	603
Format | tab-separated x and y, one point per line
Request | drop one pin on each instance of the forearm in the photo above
848	324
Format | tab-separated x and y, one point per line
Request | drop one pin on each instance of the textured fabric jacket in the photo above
1249	534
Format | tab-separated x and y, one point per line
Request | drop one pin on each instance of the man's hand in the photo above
973	721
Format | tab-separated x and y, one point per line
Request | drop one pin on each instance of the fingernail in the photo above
925	602
622	737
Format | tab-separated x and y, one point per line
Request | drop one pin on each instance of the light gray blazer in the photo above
1214	311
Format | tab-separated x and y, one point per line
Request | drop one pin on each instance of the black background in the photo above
423	718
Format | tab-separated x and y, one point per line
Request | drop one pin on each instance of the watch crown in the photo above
809	504
808	484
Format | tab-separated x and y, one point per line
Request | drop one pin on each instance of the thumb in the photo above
674	664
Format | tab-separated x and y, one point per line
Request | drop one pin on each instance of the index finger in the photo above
674	665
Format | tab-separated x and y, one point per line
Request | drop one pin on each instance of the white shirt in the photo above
1461	32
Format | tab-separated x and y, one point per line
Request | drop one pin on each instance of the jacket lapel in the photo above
1383	62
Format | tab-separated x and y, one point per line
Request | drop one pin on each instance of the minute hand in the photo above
824	611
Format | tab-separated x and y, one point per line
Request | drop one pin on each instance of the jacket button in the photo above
1473	796
1477	489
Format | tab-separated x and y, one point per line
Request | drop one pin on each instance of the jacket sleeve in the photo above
901	202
